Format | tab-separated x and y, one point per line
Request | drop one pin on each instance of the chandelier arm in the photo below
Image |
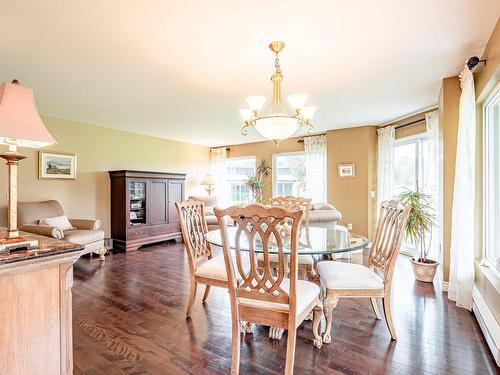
244	129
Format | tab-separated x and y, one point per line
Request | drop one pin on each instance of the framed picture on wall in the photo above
346	170
56	165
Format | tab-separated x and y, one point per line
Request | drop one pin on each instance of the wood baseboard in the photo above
487	322
445	286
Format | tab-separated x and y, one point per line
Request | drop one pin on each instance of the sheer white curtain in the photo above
218	158
462	221
315	151
433	179
385	178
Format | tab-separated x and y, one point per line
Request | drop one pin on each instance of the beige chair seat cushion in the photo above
307	292
83	237
339	275
215	268
302	259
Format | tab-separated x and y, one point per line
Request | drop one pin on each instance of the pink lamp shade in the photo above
20	123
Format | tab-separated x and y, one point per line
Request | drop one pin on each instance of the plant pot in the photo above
424	271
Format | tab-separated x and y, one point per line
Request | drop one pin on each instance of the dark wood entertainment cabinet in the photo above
143	207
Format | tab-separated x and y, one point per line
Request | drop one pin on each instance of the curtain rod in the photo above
314	135
408	124
213	148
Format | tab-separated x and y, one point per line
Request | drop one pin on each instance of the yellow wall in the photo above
449	103
350	196
99	150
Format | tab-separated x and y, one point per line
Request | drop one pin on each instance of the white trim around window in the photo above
491	181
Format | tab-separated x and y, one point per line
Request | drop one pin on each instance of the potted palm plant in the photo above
256	181
418	232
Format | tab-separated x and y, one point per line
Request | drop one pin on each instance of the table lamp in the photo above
20	126
209	182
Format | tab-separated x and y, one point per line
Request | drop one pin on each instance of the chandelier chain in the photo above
277	64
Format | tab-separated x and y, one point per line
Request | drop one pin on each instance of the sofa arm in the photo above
85	224
43	230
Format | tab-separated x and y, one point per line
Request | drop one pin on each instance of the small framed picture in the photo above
346	170
56	165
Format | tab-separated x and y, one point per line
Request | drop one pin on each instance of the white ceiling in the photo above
182	69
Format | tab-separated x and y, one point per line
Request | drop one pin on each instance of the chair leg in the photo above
235	351
329	303
317	312
386	301
205	295
192	297
290	349
373	301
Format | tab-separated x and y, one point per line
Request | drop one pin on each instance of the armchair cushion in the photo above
60	222
88	224
43	230
83	237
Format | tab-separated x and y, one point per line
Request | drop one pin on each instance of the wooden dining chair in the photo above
204	268
306	262
267	297
349	280
292	202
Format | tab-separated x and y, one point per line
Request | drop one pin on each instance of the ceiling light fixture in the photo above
276	123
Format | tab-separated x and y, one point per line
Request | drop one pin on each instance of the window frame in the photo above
275	169
228	182
417	140
489	153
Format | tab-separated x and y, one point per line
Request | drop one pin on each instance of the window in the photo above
289	174
491	183
409	159
237	172
410	156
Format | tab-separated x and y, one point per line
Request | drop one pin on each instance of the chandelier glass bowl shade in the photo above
277	122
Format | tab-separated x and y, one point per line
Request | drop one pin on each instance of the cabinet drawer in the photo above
137	233
161	229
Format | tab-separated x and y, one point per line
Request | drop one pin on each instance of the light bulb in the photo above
256	102
297	101
246	114
308	112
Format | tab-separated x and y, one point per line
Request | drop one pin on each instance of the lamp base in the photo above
18	243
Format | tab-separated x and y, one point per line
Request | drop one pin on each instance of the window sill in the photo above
490	275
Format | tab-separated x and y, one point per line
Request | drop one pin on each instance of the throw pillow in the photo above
60	222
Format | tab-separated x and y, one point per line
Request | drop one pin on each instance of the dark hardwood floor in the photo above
129	318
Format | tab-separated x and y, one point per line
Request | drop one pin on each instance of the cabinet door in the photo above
158	199
175	194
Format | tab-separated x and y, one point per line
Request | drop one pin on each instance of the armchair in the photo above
86	232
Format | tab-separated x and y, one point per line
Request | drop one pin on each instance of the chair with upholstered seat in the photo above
86	232
204	268
348	280
263	296
306	262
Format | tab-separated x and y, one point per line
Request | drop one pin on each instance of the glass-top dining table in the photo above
319	243
312	241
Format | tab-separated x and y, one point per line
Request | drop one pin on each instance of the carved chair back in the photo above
388	238
292	202
194	228
259	227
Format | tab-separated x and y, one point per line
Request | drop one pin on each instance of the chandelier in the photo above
276	122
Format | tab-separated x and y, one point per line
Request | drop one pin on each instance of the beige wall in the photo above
350	196
449	102
99	150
